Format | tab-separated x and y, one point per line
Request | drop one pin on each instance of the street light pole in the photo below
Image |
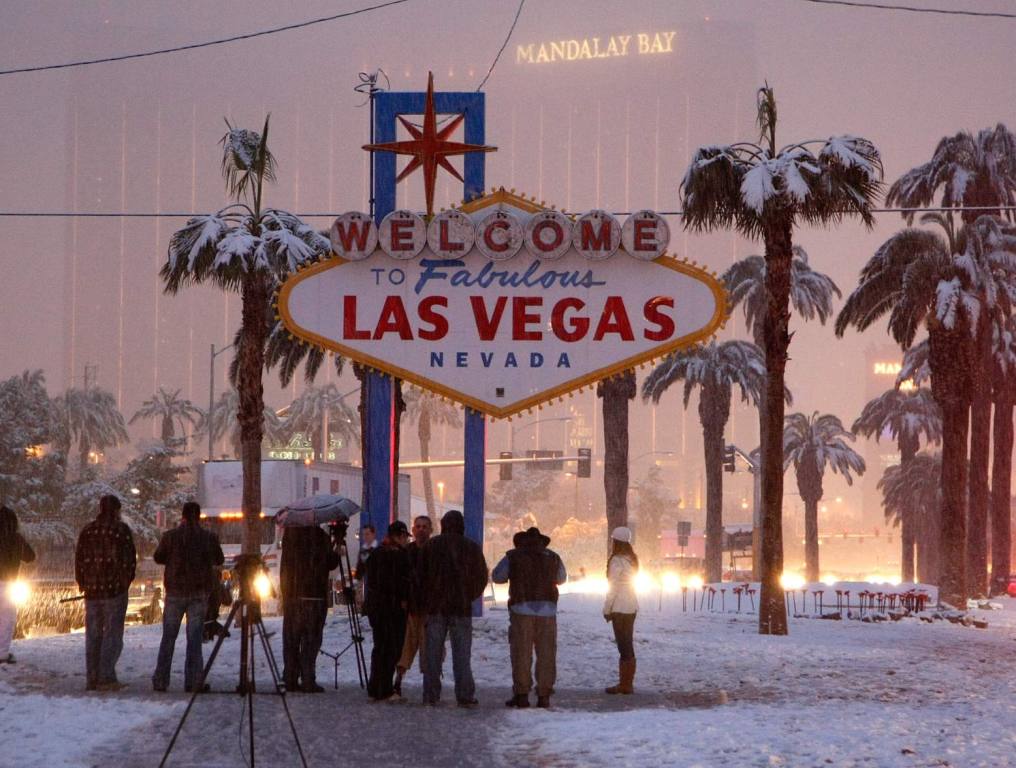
532	423
211	393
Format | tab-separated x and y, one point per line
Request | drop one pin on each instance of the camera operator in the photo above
307	558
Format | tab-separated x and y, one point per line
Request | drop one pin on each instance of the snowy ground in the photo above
710	692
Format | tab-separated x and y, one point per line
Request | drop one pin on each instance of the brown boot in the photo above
620	676
628	677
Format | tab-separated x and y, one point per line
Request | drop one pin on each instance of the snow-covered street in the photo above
710	692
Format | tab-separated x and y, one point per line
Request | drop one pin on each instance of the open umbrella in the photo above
317	510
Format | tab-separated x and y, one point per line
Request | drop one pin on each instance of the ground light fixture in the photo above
262	586
19	593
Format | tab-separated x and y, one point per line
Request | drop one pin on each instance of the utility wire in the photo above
503	46
207	44
142	215
914	9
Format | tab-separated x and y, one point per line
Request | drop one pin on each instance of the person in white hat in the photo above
622	605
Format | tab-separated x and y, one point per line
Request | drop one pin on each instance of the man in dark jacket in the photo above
385	608
454	574
191	555
307	558
104	562
14	551
533	573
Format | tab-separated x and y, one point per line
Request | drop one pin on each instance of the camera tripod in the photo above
338	532
246	611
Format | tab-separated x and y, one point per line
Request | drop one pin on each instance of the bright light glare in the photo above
671	582
878	578
19	593
696	582
263	586
829	579
591	585
792	581
644	583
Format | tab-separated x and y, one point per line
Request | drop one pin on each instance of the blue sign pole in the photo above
380	412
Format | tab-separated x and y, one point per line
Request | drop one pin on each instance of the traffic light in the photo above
584	464
728	458
505	470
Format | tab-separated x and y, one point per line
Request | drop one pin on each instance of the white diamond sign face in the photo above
503	336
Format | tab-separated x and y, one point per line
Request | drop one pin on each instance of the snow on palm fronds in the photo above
820	438
912	491
307	413
749	184
438	411
243	238
919	276
970	170
721	365
225	422
901	415
916	365
811	292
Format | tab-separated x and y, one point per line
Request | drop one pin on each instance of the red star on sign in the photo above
429	147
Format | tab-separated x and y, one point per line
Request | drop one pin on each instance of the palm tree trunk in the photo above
423	432
908	445
713	417
952	528
811	563
83	447
980	439
255	295
772	614
361	375
809	485
1001	502
616	392
168	432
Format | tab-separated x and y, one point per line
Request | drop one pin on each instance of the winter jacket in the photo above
454	572
360	572
190	554
415	553
388	574
307	558
533	573
13	552
620	587
104	558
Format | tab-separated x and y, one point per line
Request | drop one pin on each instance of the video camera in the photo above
338	529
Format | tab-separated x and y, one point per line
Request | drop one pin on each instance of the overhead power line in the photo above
164	215
206	44
504	45
914	9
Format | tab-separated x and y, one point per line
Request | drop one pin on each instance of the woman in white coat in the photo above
621	605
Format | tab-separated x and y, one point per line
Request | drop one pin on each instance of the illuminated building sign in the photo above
887	369
613	46
892	369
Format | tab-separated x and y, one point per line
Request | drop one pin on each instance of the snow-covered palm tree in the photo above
248	248
764	190
811	291
320	412
169	409
1004	392
89	419
971	172
428	410
906	417
913	491
949	283
977	174
226	424
714	370
811	444
616	393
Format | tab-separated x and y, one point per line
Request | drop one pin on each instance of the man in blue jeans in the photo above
190	554
104	563
453	574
